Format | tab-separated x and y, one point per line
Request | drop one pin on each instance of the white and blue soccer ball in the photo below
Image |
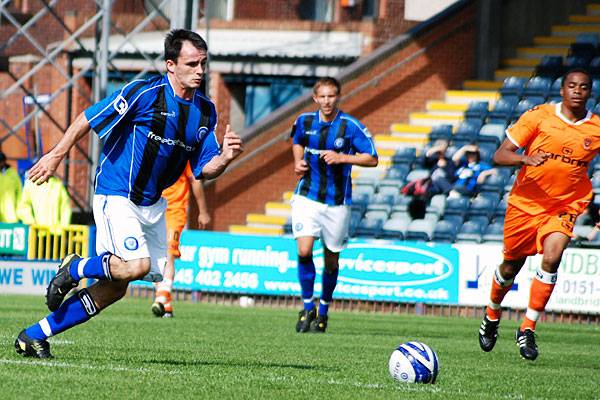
414	362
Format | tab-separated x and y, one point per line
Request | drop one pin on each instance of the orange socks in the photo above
500	287
542	286
163	294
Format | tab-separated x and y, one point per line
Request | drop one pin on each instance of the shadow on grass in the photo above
236	364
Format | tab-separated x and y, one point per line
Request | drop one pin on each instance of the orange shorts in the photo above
175	224
524	234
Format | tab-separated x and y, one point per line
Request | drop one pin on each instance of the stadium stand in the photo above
473	115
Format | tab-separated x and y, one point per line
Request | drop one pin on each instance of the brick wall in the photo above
446	58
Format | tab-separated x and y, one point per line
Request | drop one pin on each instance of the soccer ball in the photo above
414	362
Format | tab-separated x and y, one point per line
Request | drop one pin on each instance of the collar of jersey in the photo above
560	115
321	122
177	97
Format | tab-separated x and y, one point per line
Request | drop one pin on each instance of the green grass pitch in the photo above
226	352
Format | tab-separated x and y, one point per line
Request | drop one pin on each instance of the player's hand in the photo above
203	220
332	157
535	160
232	144
300	167
43	169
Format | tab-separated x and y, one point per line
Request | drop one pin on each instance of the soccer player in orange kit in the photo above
551	190
177	197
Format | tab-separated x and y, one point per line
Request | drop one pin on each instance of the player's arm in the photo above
198	192
47	165
300	165
232	147
506	155
362	159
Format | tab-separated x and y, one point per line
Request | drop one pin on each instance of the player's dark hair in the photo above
327	81
574	71
174	40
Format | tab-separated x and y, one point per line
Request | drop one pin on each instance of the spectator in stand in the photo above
47	204
10	191
441	168
471	171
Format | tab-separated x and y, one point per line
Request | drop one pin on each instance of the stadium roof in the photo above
251	43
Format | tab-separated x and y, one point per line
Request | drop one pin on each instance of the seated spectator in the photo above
47	204
587	225
441	168
471	172
10	191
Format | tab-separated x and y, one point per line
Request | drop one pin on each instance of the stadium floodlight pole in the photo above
100	87
206	37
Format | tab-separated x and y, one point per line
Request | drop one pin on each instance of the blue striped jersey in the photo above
330	184
149	134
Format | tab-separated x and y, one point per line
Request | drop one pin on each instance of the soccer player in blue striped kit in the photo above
326	145
150	130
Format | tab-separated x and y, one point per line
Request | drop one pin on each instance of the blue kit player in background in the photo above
326	145
150	130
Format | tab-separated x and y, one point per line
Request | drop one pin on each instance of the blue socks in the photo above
306	275
93	267
75	310
329	283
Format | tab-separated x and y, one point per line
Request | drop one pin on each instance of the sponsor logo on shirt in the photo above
312	132
566	158
170	142
168	114
314	151
201	132
120	105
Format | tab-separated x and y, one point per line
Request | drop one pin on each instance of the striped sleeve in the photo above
209	145
297	132
107	113
362	141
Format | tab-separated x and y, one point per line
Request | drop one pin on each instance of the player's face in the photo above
327	97
576	91
189	69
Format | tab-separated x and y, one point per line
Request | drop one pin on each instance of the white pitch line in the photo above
59	364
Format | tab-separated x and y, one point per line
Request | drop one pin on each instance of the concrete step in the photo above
409	131
554	41
584	19
539	52
521	62
397	142
442	108
263	219
428	119
502	74
467	96
593	9
481	85
278	209
250	230
574	29
287	196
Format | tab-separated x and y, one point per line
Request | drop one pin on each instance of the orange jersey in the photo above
561	182
177	194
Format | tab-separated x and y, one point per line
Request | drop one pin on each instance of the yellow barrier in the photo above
54	243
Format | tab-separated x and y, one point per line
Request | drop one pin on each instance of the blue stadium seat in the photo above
523	106
437	204
417	174
555	88
492	133
398	171
420	230
467	131
457	206
384	198
455	220
576	62
594	67
470	232
595	87
512	86
495	183
444	231
477	110
394	229
369	227
502	110
440	132
487	149
482	206
405	155
550	66
494	233
378	211
586	48
537	86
